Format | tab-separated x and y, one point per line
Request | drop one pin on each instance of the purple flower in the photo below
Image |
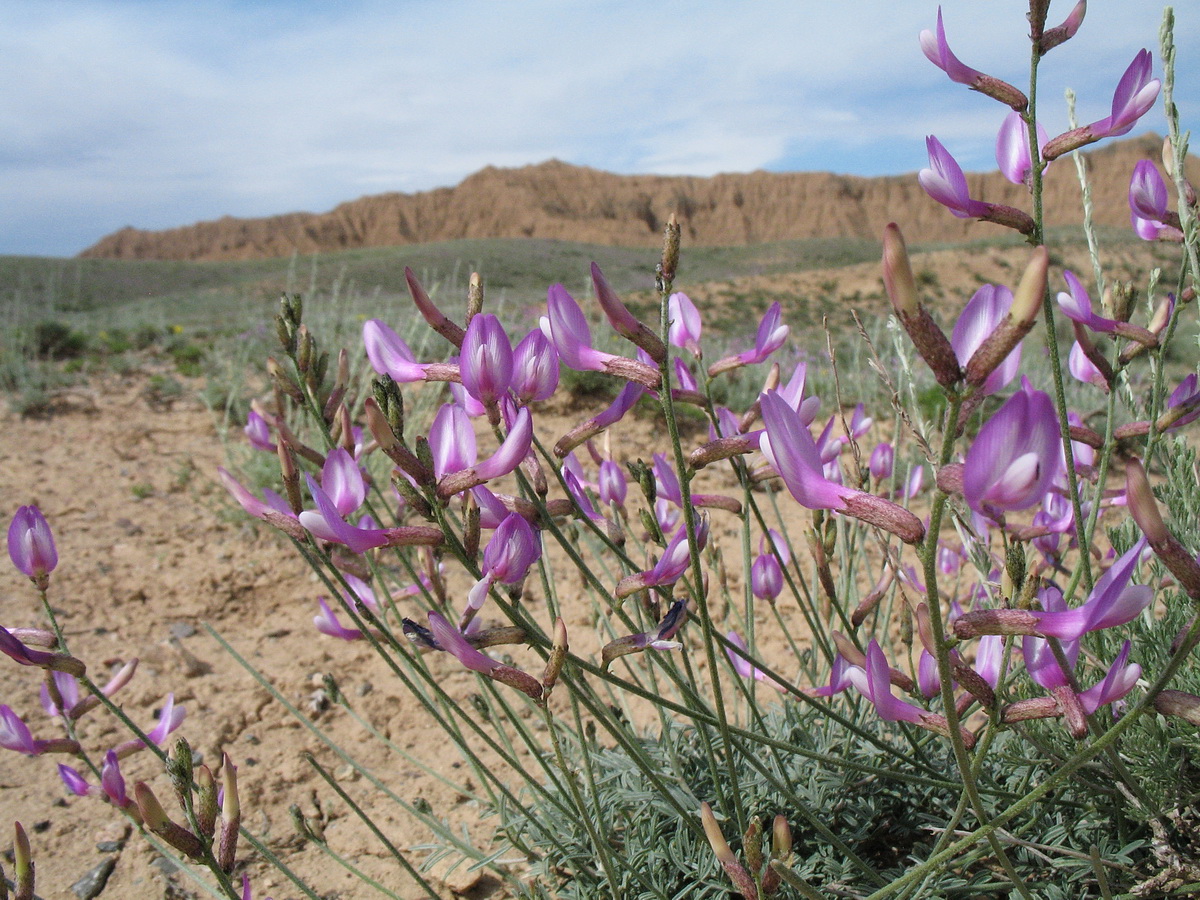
15	735
75	782
661	638
451	640
169	719
270	508
624	322
945	182
684	377
452	440
1083	369
486	359
938	52
389	355
985	311
677	557
685	323
737	656
514	547
1147	192
342	480
1016	455
766	577
535	368
789	447
611	483
258	432
27	656
1077	306
1012	148
671	565
881	461
1113	601
1186	394
1135	94
1148	211
327	623
792	452
568	330
770	336
1117	682
666	482
879	690
112	784
31	545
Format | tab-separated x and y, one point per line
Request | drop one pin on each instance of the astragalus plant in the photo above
925	650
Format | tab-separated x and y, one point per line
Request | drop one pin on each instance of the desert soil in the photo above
150	551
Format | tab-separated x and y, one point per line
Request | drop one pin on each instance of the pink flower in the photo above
938	52
737	656
685	323
1077	306
766	577
1113	601
988	307
514	547
1152	219
31	545
1135	94
258	432
486	360
945	182
1016	455
535	368
1012	148
389	355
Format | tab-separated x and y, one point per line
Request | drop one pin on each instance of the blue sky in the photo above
159	113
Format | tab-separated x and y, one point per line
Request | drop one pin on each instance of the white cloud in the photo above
157	114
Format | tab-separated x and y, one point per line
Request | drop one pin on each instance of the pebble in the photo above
365	688
182	630
92	884
164	865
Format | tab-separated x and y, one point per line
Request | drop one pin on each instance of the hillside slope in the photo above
557	201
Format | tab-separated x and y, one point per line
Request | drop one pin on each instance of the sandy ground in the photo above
150	549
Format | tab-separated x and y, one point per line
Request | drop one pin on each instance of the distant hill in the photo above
558	201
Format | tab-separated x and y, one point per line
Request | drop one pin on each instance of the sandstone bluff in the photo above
558	201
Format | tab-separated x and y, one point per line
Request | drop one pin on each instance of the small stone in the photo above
109	846
182	630
459	879
251	739
92	884
365	688
164	865
112	833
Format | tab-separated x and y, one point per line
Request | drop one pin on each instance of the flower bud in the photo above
558	656
231	816
429	311
928	339
1144	509
157	820
474	296
206	801
22	863
742	882
670	253
1179	703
